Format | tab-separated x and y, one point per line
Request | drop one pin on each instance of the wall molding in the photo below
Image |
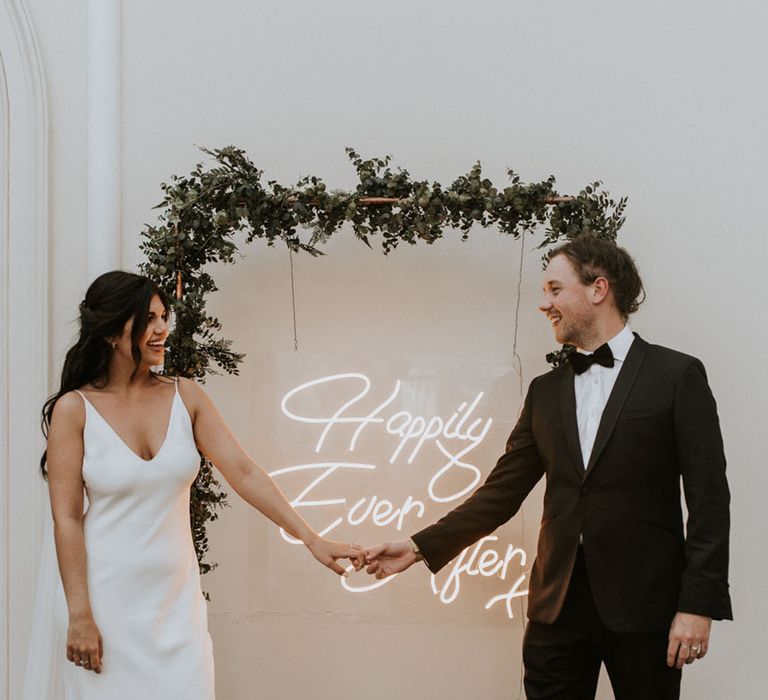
104	137
24	362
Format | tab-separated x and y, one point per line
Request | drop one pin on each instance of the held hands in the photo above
390	558
383	560
84	645
328	551
688	639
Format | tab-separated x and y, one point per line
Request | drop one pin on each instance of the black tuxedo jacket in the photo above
660	424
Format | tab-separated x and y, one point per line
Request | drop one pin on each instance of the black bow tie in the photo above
581	362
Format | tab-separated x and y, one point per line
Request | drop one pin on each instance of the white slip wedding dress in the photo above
143	576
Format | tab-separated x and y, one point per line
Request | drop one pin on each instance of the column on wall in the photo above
104	138
23	319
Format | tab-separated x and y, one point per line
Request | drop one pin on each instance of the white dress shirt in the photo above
593	388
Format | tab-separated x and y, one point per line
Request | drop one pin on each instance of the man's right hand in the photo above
390	558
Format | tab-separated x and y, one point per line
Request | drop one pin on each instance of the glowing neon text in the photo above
453	437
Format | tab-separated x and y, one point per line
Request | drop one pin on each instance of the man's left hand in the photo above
688	639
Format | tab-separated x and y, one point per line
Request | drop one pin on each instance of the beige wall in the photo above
661	102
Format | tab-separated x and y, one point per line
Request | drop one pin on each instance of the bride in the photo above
130	441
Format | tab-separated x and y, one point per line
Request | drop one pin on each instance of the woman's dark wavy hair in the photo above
594	257
112	299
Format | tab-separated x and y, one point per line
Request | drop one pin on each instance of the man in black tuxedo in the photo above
617	578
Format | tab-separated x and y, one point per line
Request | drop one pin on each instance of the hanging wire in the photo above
517	362
293	303
518	367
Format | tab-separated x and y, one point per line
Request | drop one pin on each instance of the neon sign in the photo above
453	436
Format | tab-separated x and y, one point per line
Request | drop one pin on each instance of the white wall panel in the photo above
24	340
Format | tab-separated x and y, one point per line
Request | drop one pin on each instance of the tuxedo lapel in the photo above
624	382
568	417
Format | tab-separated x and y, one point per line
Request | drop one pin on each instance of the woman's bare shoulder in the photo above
190	385
192	394
69	410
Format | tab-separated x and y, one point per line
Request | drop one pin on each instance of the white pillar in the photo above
104	137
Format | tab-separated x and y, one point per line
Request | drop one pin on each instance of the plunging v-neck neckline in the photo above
123	442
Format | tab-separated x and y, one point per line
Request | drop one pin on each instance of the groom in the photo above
617	578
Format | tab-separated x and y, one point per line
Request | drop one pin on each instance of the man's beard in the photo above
575	333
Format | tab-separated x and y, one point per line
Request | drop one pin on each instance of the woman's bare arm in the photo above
252	483
65	485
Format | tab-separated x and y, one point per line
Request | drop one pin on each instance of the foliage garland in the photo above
202	212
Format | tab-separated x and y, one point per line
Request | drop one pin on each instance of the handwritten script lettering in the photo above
451	437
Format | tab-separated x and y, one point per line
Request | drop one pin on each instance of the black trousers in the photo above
562	660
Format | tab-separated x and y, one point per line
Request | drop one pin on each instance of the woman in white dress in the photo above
129	440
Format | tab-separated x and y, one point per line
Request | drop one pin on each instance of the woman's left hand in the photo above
328	551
